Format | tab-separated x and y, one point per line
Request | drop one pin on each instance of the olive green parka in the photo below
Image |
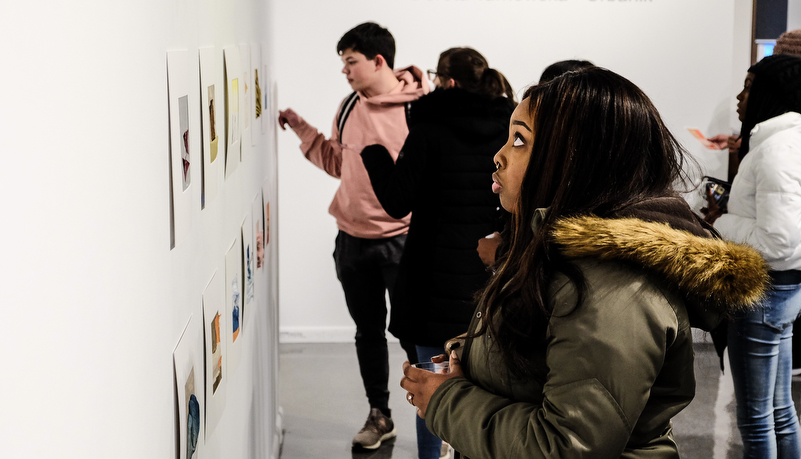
618	366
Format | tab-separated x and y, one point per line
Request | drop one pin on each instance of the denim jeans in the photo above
428	445
760	355
367	268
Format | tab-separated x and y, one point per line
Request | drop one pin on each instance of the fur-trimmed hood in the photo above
717	276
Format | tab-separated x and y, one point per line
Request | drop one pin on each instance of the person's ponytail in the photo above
471	72
493	84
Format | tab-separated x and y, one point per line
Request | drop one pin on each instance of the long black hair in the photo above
776	90
472	72
599	146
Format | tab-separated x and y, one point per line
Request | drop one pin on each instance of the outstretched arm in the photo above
324	153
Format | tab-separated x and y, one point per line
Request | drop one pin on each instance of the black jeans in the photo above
367	268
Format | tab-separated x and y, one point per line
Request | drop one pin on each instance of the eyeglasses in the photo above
431	74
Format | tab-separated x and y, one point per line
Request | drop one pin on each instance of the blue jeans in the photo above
761	359
428	445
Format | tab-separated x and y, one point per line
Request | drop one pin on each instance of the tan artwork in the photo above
216	352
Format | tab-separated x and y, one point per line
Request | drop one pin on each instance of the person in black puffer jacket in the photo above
443	176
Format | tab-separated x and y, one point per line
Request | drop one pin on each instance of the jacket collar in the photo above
765	129
722	275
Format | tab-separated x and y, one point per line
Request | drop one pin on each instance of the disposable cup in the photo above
433	367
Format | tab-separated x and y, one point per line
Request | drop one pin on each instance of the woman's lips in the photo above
496	184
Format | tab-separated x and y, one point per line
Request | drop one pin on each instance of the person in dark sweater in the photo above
443	177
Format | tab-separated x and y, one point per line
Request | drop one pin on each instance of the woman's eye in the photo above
518	141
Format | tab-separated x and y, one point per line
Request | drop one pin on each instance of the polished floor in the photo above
324	406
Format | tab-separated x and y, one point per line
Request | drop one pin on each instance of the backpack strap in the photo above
344	111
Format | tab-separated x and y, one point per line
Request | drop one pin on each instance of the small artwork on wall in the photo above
183	112
216	353
259	244
234	107
192	415
188	367
232	115
256	80
216	357
269	117
236	310
179	101
246	98
257	94
213	139
233	302
249	259
212	127
258	228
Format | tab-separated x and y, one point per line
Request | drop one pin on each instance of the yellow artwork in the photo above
258	93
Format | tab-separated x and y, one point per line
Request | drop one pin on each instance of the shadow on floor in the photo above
383	452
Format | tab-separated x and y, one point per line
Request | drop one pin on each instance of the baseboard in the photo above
289	335
278	435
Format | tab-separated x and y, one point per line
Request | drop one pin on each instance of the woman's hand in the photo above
487	246
712	210
720	141
421	384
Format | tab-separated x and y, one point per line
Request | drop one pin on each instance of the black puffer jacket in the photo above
444	177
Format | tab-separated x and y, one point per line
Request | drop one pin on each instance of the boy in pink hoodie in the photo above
370	242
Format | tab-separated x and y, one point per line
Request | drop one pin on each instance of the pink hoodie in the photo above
376	120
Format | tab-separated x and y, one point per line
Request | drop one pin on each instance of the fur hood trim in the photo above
727	276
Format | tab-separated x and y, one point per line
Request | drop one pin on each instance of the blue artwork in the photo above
249	276
192	426
235	296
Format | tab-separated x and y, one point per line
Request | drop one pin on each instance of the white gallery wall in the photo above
690	57
93	298
793	14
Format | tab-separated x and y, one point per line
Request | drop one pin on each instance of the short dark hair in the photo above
371	40
559	68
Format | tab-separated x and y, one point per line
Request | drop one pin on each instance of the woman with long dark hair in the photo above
443	177
764	211
580	345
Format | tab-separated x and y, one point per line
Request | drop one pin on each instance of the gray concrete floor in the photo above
324	406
